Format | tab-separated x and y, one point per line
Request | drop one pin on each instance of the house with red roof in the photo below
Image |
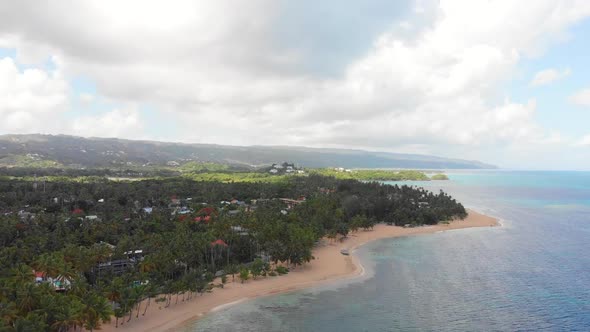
205	219
60	284
207	211
218	242
78	211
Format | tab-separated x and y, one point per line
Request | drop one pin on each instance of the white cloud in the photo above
35	100
547	76
441	88
30	98
584	141
581	97
124	123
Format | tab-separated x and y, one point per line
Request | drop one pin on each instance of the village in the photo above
182	210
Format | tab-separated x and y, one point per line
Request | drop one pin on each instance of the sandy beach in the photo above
329	265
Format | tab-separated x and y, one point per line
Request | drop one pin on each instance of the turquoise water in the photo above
532	274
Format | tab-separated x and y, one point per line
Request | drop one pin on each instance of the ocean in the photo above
531	274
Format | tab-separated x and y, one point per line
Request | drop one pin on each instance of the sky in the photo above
503	82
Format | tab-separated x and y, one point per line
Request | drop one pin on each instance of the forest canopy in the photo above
75	253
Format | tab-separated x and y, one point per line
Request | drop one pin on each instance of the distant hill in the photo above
71	151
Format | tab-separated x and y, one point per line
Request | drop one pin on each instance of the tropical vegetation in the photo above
378	175
77	253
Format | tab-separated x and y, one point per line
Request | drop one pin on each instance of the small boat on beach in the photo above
345	252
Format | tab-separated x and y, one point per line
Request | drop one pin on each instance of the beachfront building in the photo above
291	203
59	283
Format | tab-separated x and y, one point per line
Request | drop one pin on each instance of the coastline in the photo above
329	265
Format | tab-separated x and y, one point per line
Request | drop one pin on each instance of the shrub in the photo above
244	274
281	270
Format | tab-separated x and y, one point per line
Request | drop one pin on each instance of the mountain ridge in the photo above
75	151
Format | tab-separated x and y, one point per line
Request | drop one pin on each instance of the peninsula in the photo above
86	250
329	265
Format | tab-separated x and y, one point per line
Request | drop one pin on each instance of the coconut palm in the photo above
67	313
48	264
119	313
30	322
8	314
151	292
27	297
95	310
21	274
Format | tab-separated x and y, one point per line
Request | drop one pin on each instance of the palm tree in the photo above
67	314
21	274
147	265
139	293
27	297
48	264
65	273
113	292
119	313
8	313
232	269
244	274
131	301
100	254
151	292
81	258
96	309
30	322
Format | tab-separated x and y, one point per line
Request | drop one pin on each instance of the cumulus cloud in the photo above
36	100
29	99
123	123
430	79
547	76
581	97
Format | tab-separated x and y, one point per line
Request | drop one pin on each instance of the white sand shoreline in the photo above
329	266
